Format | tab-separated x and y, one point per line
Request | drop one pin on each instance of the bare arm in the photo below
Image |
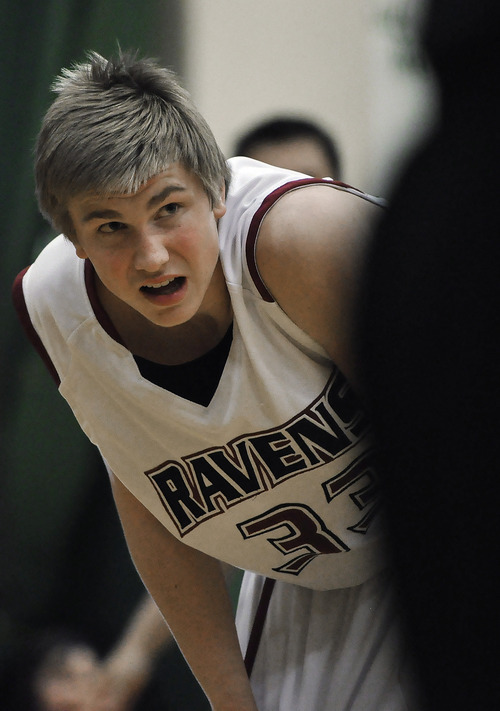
188	587
127	669
310	253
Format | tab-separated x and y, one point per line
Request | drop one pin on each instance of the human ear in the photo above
219	210
80	252
71	237
220	207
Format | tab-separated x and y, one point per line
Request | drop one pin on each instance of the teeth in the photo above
163	283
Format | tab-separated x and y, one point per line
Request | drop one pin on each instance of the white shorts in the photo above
338	650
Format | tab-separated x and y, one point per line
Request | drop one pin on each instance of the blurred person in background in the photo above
294	143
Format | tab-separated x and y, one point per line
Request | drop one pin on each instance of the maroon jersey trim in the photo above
268	202
258	625
24	317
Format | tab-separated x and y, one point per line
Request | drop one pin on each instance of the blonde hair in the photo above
114	125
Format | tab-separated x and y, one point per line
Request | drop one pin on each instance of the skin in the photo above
165	231
302	154
62	688
308	252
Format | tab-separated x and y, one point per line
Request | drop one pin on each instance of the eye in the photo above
170	208
110	227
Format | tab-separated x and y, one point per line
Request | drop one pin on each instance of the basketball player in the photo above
196	315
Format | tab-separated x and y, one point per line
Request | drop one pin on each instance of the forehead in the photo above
302	154
175	180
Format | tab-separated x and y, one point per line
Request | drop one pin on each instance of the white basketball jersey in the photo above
275	475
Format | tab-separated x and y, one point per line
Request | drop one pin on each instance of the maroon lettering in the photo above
303	535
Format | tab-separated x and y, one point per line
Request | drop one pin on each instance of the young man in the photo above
198	321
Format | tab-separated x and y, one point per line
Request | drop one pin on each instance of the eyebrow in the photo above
164	194
108	214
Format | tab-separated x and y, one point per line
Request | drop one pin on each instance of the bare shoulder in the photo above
316	220
310	254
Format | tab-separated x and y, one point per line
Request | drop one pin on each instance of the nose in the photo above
151	253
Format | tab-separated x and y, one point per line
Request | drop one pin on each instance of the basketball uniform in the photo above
272	474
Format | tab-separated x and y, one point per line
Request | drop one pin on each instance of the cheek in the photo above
110	266
210	257
200	247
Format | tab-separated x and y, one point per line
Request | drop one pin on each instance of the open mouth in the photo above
169	286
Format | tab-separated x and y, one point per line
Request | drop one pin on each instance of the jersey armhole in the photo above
24	317
267	203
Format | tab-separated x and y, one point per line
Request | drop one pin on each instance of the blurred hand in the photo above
116	685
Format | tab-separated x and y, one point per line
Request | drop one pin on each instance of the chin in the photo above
170	320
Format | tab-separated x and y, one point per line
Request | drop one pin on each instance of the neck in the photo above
172	345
